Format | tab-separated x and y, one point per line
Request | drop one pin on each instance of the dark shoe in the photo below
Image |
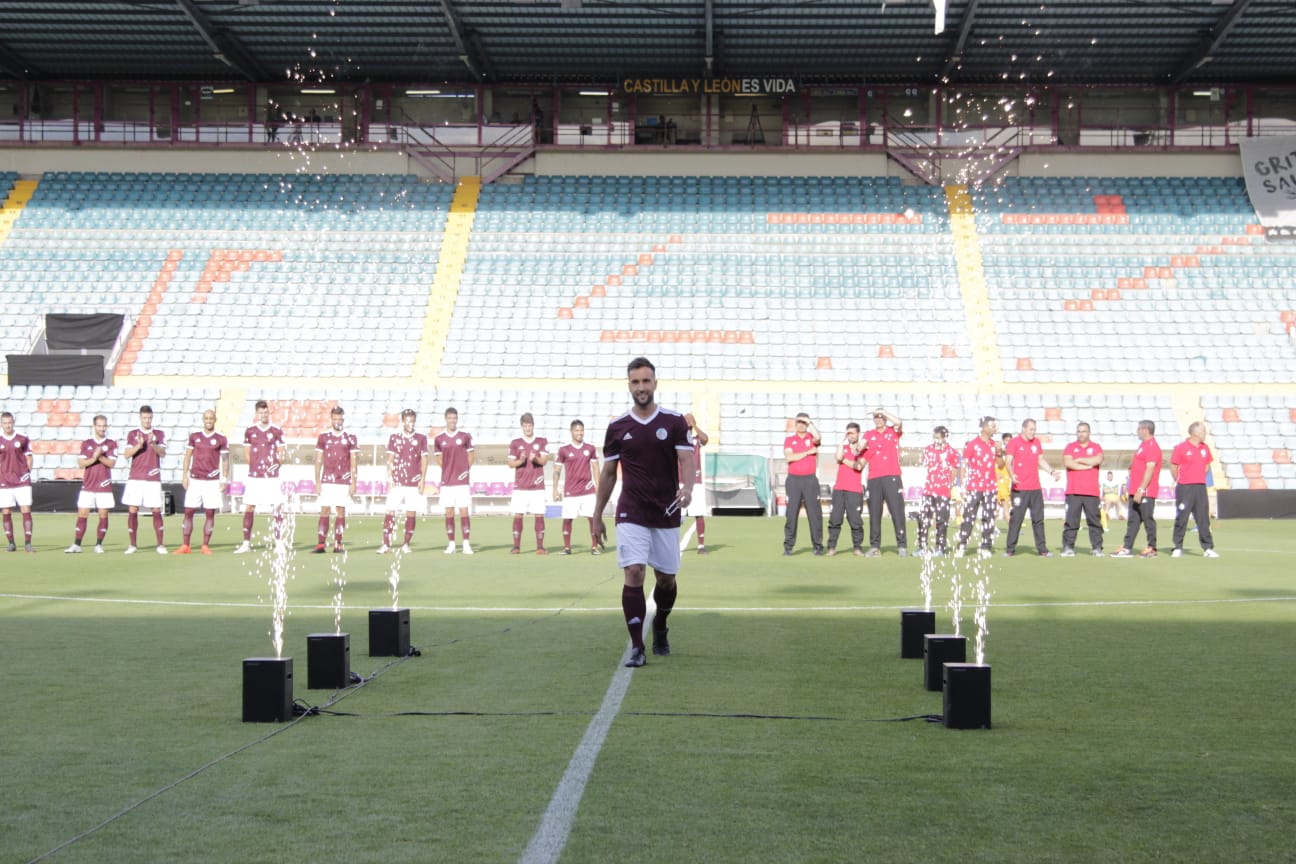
27	547
661	645
567	551
637	658
13	547
787	553
338	550
701	550
818	553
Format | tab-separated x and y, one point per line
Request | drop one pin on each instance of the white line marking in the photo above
550	838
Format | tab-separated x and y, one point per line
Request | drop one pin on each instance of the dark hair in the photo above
940	430
1149	425
852	425
337	409
984	420
408	412
1026	422
640	363
145	408
261	403
1084	424
6	415
527	418
576	423
451	410
98	417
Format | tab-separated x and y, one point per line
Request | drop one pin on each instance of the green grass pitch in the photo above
1143	710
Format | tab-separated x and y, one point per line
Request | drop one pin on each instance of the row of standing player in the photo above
970	477
206	474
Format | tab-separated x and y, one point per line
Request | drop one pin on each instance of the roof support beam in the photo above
224	47
16	66
954	56
709	56
1201	53
469	46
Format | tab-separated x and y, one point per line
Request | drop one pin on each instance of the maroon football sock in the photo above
539	531
410	522
186	526
635	608
157	525
248	518
567	528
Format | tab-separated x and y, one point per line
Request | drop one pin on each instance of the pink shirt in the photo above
207	452
801	444
648	451
979	465
337	447
1192	460
407	457
454	450
883	453
849	478
13	461
1148	453
1025	462
528	475
263	450
98	477
941	462
146	464
578	468
1084	481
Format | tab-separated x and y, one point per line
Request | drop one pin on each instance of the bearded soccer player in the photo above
885	486
651	444
205	476
145	447
979	486
848	491
407	463
15	481
697	509
1024	456
1189	462
454	453
263	442
942	463
527	457
1081	459
575	470
98	456
336	453
1144	485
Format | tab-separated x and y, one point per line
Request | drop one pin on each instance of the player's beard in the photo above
643	400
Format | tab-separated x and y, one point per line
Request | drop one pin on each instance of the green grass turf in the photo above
1142	709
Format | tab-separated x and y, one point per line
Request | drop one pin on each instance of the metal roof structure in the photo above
1010	42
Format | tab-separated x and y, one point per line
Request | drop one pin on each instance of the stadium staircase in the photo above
972	283
449	272
16	198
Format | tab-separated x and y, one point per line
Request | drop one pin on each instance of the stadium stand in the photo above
1256	435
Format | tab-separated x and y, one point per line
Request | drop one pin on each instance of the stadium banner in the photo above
1269	165
691	86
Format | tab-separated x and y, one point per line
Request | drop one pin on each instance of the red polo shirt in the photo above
848	478
1085	481
941	463
883	453
979	462
801	444
1025	462
1192	460
1148	453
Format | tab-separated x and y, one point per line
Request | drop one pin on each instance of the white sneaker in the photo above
959	552
384	549
243	548
130	550
1068	553
984	553
161	550
74	549
1178	553
98	548
1210	553
467	550
450	548
405	549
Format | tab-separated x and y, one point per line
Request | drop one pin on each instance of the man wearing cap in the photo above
882	452
801	449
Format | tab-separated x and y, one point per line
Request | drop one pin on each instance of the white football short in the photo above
203	495
528	502
20	496
656	547
697	506
456	498
143	493
266	492
334	495
87	500
576	506
406	499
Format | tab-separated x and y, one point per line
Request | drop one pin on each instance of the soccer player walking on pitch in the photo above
204	475
652	446
15	481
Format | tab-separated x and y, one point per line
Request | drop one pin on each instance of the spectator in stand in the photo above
801	449
848	491
1144	484
407	464
98	457
336	455
575	483
882	453
978	476
697	507
15	481
942	463
527	457
1025	457
205	476
1081	459
145	446
1189	463
454	453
